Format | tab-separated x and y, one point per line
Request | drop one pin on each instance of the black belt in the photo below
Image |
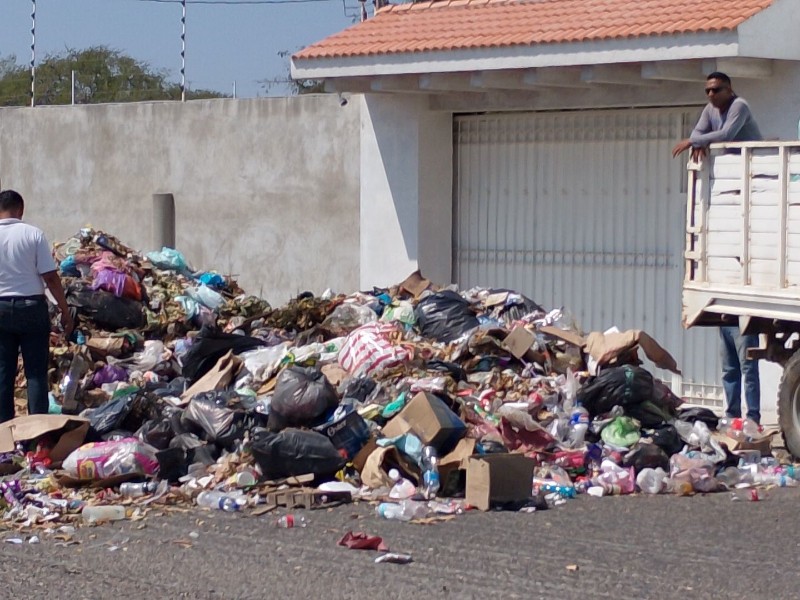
13	298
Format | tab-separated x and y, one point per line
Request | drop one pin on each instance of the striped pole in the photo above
183	51
33	52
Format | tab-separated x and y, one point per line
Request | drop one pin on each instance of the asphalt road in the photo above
624	547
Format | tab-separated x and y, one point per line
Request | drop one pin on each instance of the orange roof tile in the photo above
469	24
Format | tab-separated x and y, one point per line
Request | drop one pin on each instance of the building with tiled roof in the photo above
526	144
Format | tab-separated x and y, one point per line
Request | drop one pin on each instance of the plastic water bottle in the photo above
651	481
289	521
578	426
137	490
95	514
217	500
430	473
404	511
402	487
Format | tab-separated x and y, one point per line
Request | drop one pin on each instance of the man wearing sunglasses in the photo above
727	118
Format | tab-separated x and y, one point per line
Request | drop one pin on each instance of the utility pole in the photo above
33	52
183	50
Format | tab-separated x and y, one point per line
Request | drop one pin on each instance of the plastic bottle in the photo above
430	473
404	511
751	429
578	426
779	480
402	487
137	490
220	500
729	477
289	521
651	481
94	514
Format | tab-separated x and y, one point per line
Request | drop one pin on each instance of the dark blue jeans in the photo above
25	327
735	366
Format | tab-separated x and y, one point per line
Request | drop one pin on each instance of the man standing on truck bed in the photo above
727	118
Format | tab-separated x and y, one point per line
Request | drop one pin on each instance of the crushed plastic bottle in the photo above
578	426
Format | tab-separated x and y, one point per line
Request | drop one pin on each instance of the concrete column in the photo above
163	221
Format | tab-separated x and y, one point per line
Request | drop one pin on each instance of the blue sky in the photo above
224	42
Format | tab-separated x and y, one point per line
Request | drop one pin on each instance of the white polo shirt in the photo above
24	256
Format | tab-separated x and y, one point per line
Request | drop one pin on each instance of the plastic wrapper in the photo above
445	316
302	395
348	316
295	452
169	259
109	374
100	460
263	363
622	432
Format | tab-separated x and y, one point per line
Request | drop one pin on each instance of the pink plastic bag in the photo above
368	350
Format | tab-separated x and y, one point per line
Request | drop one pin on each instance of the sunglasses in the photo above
714	90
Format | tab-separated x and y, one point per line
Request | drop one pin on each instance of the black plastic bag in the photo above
616	386
698	413
514	311
445	316
156	432
209	346
642	456
108	417
105	310
667	438
302	395
295	452
197	451
359	388
648	413
451	368
215	422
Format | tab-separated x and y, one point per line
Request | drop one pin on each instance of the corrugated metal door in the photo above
584	210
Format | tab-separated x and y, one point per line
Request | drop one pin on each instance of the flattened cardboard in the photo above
334	374
430	419
606	348
565	335
218	378
497	479
31	427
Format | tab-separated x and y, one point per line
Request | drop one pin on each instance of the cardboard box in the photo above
498	479
72	432
520	344
431	420
763	445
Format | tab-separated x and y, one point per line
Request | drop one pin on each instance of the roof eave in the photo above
626	50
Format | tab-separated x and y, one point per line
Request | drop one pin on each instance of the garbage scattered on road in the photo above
178	388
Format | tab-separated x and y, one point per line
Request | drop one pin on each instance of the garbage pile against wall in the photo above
177	387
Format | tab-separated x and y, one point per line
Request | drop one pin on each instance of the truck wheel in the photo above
789	404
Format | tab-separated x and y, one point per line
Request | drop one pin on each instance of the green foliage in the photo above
102	75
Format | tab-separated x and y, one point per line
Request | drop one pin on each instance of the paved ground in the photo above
628	547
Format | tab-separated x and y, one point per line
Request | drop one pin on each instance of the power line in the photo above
234	2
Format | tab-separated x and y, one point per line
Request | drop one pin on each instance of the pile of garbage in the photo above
177	387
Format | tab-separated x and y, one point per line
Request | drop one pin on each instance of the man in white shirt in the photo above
26	267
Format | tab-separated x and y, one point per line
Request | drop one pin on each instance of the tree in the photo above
101	75
295	86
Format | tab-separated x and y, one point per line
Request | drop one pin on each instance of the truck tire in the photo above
789	404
